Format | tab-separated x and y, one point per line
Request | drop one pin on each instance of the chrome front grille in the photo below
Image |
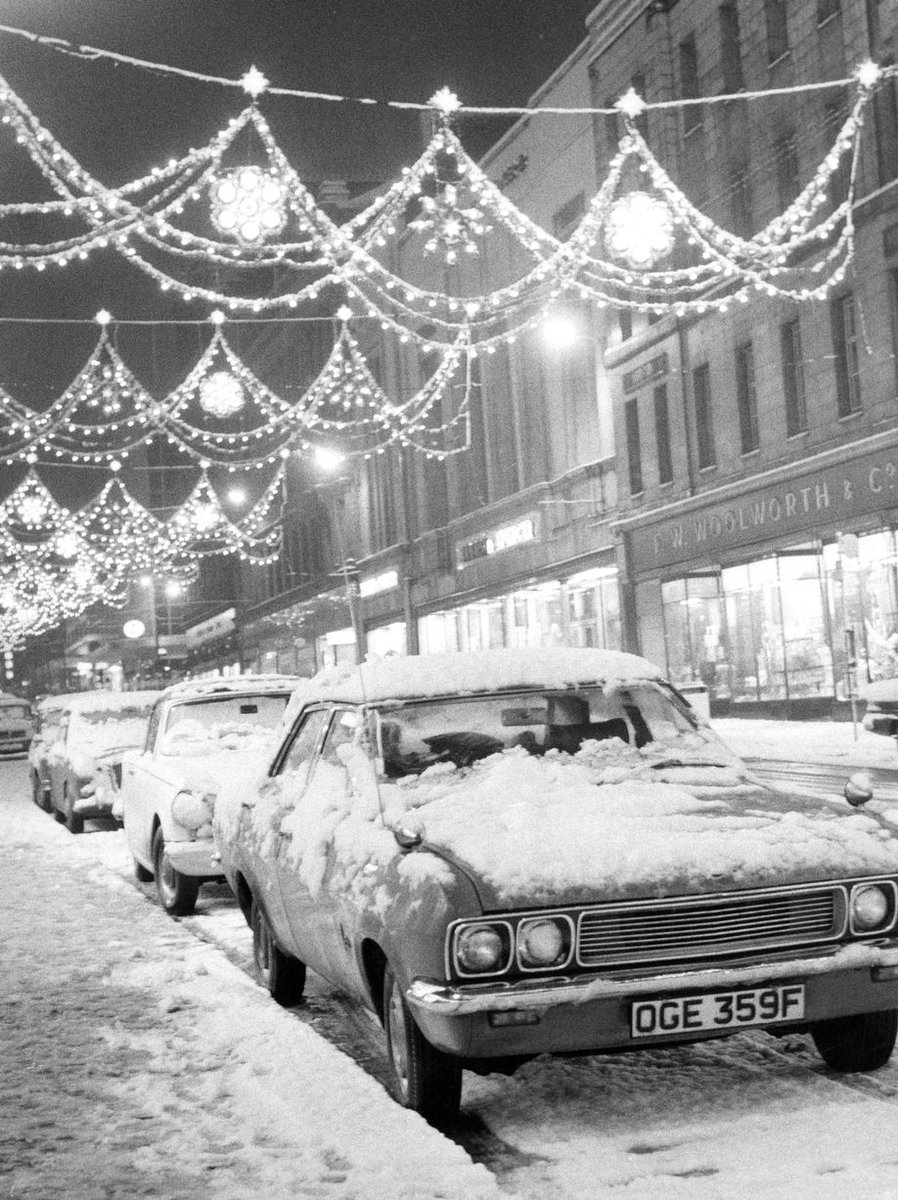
705	927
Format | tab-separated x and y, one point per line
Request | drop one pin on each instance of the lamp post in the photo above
330	461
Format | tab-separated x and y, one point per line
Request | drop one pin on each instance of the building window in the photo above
704	421
662	434
835	113
747	398
731	60
625	321
885	116
689	85
827	9
893	293
793	378
777	29
847	355
639	86
568	217
740	203
634	447
787	180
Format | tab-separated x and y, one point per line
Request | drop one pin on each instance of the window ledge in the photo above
852	416
799	433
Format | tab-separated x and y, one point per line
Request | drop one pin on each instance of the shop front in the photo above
778	594
580	610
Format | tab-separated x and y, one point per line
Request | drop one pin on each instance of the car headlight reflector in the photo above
871	908
543	942
482	948
191	811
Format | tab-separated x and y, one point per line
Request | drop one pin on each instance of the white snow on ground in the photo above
739	1119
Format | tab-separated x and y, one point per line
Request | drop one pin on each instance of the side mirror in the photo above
408	839
859	789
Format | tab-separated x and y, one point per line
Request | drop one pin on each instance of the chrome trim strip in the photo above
446	999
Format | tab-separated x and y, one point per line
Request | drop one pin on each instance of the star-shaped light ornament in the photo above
445	102
640	230
631	104
254	83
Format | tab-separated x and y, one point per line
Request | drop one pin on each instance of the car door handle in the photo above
247	804
286	833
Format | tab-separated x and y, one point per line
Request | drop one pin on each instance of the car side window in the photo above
343	726
305	739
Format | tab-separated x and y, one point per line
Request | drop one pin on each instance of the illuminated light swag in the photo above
283	250
55	563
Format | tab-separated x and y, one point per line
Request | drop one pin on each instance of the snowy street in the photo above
142	1060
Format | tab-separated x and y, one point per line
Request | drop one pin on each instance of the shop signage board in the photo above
828	497
214	627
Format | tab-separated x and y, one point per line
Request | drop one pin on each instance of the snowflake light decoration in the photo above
449	226
640	229
221	394
249	205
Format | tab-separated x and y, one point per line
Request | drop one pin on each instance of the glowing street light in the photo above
560	330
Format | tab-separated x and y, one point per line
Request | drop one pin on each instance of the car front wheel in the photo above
74	822
177	893
861	1043
424	1078
282	975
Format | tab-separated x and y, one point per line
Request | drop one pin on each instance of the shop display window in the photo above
862	591
693	625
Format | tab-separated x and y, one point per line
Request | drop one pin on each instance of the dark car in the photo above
518	852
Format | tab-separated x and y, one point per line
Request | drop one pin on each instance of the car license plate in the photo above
717	1011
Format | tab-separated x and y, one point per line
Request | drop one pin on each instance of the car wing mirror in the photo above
408	839
859	789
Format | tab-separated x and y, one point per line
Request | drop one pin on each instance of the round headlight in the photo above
190	810
869	907
481	948
541	943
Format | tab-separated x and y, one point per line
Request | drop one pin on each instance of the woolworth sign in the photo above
824	498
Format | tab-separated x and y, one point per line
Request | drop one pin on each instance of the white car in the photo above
201	734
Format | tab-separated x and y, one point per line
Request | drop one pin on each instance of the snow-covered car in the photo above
201	733
16	725
881	714
76	761
517	852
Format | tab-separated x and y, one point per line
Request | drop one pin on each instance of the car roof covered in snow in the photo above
433	675
191	689
99	701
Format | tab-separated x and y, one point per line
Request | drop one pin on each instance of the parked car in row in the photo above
16	725
76	755
201	733
517	852
881	713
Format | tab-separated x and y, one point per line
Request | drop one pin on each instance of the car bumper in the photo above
193	858
591	1012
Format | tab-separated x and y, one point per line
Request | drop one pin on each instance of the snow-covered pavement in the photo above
144	1063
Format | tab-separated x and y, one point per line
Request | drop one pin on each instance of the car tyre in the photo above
282	975
141	874
37	791
424	1078
177	893
860	1043
74	822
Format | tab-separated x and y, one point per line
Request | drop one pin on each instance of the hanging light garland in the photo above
268	222
55	563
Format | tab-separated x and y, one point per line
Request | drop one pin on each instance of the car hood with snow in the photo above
611	824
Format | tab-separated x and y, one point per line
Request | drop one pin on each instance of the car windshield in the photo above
104	729
236	721
645	720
